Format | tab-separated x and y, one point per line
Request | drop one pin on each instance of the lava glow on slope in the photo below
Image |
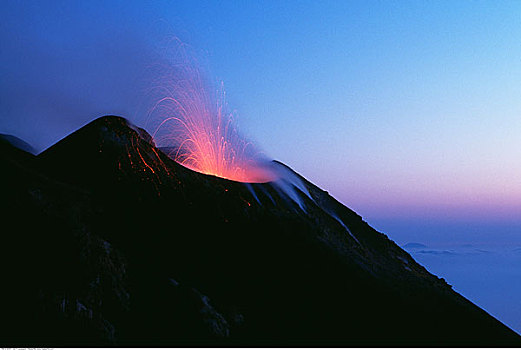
193	125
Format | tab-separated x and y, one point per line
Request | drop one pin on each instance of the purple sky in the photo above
400	110
408	112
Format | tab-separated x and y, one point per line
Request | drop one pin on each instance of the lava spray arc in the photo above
194	126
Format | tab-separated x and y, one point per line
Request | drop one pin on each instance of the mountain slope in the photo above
121	245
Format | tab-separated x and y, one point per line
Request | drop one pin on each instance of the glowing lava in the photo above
197	130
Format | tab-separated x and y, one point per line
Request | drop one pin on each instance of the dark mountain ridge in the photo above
110	242
10	140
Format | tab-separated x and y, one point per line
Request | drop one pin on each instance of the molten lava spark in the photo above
196	129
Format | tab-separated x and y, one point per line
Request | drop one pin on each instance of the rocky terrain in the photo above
107	241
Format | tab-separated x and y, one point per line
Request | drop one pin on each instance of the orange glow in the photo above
196	127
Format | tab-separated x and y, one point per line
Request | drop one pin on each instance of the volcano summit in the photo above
107	241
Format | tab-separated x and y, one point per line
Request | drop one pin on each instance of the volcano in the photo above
107	241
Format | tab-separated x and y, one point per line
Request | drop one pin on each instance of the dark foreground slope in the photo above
105	240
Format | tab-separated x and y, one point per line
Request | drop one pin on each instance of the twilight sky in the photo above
401	110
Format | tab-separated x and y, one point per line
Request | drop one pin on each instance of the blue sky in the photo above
404	109
408	112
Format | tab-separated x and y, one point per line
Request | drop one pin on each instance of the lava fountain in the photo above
194	127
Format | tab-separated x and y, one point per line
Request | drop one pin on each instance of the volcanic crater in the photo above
108	241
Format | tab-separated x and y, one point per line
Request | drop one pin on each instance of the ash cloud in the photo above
54	81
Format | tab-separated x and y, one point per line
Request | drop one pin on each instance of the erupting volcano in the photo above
194	127
124	246
141	247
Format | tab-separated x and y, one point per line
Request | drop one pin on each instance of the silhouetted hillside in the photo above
107	241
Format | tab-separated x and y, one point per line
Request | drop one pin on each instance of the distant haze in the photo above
408	112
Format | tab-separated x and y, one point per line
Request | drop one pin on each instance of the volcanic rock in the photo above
107	241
